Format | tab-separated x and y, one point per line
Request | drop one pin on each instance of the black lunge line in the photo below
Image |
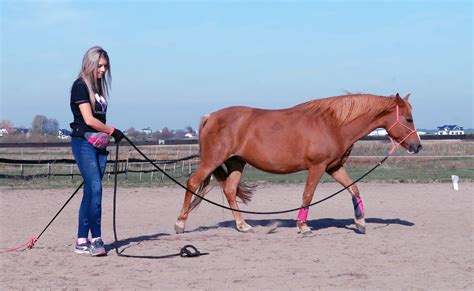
188	251
255	212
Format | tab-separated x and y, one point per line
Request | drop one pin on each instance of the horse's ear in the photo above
406	97
398	100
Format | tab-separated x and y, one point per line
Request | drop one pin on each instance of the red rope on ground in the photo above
28	245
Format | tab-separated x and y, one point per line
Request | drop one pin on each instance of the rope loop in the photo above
189	251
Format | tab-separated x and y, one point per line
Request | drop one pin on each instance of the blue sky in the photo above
174	61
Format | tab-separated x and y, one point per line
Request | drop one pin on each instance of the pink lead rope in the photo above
28	245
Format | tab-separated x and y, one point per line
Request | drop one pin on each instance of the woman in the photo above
90	136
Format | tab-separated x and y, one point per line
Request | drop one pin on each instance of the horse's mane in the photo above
346	108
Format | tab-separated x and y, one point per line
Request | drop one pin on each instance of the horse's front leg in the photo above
341	176
193	183
314	175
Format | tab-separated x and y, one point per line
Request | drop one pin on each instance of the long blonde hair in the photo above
90	64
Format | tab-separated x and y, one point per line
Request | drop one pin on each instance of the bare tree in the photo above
179	134
38	124
166	133
44	125
189	129
52	126
5	123
132	133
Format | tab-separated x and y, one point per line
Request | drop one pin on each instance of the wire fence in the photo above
55	164
30	169
50	162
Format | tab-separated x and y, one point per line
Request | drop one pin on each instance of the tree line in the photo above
44	129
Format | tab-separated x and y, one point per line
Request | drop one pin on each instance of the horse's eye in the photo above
409	119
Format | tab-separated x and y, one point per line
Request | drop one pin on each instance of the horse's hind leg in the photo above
341	176
235	167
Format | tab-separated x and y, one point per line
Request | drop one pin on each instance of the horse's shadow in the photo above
315	225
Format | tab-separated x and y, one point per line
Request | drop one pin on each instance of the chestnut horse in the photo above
316	136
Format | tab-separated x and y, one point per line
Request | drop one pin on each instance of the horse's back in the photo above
237	118
257	135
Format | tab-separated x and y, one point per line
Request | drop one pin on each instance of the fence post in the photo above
163	175
182	167
190	152
151	175
152	170
126	170
72	172
49	170
141	170
174	166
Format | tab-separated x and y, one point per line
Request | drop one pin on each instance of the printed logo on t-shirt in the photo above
100	104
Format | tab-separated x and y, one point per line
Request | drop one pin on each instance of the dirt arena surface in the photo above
419	236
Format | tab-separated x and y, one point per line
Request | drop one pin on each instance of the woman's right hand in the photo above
118	135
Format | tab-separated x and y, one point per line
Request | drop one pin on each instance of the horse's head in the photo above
401	127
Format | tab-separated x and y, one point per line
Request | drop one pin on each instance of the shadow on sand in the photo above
137	239
288	223
314	224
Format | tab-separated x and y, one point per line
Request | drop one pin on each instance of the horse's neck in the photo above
360	127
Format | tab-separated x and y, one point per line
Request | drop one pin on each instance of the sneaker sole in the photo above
99	254
81	252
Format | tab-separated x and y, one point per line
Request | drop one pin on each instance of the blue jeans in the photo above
92	164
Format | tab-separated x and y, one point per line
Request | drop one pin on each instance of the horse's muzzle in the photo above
414	148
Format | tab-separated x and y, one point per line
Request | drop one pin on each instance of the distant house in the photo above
146	130
12	130
378	132
64	134
21	130
190	135
450	130
3	131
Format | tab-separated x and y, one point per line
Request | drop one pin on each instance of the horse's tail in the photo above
202	123
244	192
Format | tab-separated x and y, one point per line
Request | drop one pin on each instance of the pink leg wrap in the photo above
358	207
303	214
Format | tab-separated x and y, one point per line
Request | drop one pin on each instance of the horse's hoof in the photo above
244	228
305	230
360	226
179	227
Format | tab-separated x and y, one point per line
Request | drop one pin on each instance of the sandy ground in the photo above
419	236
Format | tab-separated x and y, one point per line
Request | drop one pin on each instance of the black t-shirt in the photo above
79	95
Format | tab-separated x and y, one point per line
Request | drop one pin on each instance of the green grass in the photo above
385	173
437	162
381	174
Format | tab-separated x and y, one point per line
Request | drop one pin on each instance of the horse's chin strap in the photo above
392	140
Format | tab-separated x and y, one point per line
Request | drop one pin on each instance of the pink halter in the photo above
393	141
